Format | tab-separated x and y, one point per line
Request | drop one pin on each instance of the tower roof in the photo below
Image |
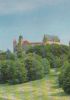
51	38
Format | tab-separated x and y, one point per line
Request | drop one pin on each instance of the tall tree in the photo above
20	51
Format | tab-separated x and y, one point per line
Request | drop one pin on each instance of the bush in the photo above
64	78
55	62
34	67
46	65
12	72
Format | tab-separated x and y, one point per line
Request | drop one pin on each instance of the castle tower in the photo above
44	39
20	40
14	45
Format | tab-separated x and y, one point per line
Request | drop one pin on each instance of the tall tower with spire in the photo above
18	44
20	40
14	45
44	39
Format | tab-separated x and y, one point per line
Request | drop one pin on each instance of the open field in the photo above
44	89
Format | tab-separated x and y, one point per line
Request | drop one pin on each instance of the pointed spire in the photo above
44	39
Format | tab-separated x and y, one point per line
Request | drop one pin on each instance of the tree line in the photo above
35	63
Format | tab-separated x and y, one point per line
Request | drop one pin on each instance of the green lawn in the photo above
44	89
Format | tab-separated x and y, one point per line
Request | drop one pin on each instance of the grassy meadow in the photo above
44	89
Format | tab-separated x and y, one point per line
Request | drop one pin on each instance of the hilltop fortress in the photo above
47	39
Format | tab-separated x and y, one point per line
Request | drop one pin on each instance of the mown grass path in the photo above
44	89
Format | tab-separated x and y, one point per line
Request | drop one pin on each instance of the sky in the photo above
33	19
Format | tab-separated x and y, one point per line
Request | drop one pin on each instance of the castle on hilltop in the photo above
47	39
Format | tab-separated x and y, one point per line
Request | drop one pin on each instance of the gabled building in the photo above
47	39
50	39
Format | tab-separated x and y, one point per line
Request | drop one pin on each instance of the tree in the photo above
2	55
12	72
55	50
46	65
20	51
66	80
10	55
35	69
64	77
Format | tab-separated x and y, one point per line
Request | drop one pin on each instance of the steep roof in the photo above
51	38
26	42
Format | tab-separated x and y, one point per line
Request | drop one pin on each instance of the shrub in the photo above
55	62
34	67
46	65
58	62
12	72
64	78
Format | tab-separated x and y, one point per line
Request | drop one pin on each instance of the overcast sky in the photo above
33	19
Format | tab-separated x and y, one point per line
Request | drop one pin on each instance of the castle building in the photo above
47	39
50	39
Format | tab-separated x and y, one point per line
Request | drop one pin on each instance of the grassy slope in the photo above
45	89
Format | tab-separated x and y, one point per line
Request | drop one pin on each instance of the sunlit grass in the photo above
44	89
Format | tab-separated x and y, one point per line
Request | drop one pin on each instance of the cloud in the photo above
12	6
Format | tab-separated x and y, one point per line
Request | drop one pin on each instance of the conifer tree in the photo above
20	51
